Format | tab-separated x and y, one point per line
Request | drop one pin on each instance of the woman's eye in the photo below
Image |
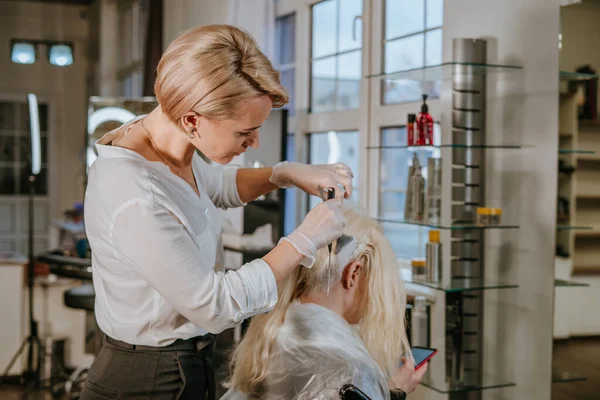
245	134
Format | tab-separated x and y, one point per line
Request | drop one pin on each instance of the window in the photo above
133	16
285	56
336	55
333	147
15	149
413	39
290	208
285	60
407	240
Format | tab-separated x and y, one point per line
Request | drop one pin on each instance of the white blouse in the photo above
155	247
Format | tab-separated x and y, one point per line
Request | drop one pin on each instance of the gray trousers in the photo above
183	370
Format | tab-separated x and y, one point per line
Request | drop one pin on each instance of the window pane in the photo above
332	147
403	17
288	79
349	10
289	219
8	119
286	39
324	24
408	241
323	85
435	13
348	87
7	148
7	180
403	54
433	47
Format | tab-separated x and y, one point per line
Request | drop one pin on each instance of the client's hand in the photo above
321	226
406	378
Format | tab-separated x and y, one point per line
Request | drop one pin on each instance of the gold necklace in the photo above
171	166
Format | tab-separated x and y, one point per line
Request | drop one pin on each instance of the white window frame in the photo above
136	42
369	118
304	123
19	202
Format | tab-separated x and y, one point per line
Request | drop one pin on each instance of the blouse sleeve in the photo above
220	184
149	239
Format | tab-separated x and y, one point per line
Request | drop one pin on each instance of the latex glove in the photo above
310	178
406	378
321	226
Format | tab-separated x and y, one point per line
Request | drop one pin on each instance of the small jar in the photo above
419	270
495	216
483	216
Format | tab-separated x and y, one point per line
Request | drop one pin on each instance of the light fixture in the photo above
34	122
23	52
60	55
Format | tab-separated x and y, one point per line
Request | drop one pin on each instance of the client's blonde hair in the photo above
382	326
211	69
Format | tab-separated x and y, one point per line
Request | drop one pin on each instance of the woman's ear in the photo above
352	274
190	121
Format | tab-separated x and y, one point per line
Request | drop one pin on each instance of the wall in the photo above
522	108
580	28
185	14
63	88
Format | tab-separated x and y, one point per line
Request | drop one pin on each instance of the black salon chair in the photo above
82	298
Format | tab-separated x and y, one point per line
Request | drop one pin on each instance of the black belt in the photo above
192	344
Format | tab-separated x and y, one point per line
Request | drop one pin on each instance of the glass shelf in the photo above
456	227
443	146
575	151
488	382
575	76
566	377
564	283
573	228
443	71
464	285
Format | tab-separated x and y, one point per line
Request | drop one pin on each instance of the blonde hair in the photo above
382	324
211	69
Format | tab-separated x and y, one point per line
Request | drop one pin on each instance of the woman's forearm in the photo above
282	260
253	183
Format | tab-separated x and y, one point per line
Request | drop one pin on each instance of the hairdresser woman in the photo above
153	225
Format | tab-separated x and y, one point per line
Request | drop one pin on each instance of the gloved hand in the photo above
321	226
406	378
310	178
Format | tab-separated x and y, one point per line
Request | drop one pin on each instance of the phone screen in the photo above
421	355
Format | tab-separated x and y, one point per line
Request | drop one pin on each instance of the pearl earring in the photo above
192	133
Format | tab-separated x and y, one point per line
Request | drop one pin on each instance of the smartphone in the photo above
421	355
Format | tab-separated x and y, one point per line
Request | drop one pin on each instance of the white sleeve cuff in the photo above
260	285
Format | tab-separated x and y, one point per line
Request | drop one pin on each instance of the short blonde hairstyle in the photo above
382	307
210	70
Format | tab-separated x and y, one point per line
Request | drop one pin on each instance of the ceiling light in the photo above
23	53
60	55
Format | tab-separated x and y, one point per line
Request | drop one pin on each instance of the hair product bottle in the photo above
433	257
411	140
424	125
417	188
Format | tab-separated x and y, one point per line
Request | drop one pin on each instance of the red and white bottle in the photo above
424	125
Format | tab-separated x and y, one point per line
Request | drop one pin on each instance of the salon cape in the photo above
316	352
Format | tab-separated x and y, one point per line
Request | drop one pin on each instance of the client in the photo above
307	346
